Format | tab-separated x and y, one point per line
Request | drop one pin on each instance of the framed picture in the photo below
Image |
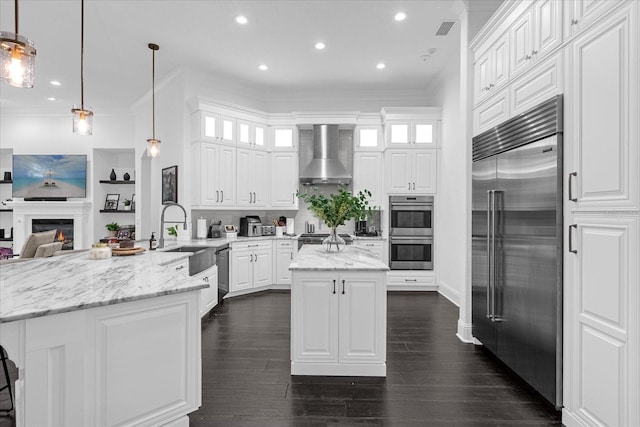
124	234
170	185
111	202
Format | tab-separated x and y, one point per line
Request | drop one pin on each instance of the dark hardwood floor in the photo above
432	378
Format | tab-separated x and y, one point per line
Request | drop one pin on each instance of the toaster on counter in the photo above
268	230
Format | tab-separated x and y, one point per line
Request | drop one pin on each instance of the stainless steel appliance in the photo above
411	216
411	232
250	226
316	239
361	228
222	261
268	230
517	245
325	168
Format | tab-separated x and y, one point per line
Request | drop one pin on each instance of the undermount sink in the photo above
202	258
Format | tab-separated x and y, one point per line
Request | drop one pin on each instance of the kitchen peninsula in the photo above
338	313
102	342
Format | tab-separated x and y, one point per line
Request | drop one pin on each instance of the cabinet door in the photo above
284	138
521	43
582	14
362	317
604	113
368	174
499	63
482	76
241	270
398	134
491	113
424	171
604	353
368	138
244	179
284	179
262	267
226	130
541	83
227	175
284	258
260	136
424	133
398	169
245	136
208	296
314	317
207	155
260	178
547	31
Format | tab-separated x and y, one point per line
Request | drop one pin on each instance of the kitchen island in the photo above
102	342
338	313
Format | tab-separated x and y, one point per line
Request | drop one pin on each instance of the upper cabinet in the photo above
411	127
368	175
284	137
368	138
492	68
213	127
580	14
252	183
214	176
284	179
251	134
411	171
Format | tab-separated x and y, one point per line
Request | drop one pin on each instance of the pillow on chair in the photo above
34	240
48	249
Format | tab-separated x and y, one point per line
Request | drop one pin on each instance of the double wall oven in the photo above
411	232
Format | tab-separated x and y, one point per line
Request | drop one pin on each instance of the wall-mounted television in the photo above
49	177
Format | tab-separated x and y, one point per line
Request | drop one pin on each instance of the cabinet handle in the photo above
342	286
571	249
527	57
571	176
291	255
255	256
250	257
254	197
334	286
414	185
217	196
491	85
534	52
410	280
409	187
293	198
179	268
205	279
221	196
574	22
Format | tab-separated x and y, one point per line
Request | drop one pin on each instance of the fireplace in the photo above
64	227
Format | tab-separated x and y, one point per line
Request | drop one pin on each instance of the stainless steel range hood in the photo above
325	168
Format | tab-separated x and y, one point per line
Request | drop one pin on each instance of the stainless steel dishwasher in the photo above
222	260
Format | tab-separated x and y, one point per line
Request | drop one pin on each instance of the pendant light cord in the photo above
153	92
81	55
16	16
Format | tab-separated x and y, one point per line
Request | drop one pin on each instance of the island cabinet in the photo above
251	266
338	316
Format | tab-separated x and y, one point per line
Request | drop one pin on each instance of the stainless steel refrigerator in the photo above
517	245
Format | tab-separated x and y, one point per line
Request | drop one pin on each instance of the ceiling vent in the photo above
444	29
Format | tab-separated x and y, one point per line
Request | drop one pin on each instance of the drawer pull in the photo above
179	268
410	280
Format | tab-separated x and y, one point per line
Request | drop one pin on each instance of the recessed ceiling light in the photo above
51	98
263	67
241	19
55	82
380	66
320	45
400	16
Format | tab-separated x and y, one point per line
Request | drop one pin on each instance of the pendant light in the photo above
82	116
153	149
17	57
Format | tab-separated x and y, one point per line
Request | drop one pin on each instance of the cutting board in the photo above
126	251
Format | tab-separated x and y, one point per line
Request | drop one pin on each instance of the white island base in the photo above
338	313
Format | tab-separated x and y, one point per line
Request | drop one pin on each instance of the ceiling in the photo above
203	36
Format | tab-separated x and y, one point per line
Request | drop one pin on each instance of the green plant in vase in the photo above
337	208
113	228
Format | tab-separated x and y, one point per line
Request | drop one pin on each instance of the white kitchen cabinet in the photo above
542	83
492	112
214	175
285	251
338	323
580	15
603	112
284	179
208	296
251	134
376	247
602	353
181	266
251	265
491	69
368	138
411	171
535	33
411	133
213	127
283	137
252	181
411	280
368	174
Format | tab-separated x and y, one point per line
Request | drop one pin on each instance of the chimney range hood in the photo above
325	168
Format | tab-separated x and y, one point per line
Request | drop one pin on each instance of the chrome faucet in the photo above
162	222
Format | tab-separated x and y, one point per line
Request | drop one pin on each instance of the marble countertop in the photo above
44	286
314	257
171	244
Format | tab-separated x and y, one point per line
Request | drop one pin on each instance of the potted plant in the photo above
173	231
113	228
337	208
127	204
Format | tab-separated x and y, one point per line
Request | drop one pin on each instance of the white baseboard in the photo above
423	288
569	419
449	293
465	332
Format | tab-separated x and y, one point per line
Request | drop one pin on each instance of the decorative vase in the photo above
126	176
113	233
112	176
333	242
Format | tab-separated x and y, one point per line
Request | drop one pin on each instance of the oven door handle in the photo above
410	240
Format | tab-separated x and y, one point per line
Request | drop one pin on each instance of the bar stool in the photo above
4	357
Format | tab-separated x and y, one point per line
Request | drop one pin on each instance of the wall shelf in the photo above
6	239
118	211
108	181
6	210
6	182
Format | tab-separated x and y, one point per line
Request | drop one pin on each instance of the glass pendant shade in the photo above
82	120
17	60
153	147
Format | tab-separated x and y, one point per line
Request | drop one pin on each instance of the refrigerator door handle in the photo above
496	209
571	249
489	257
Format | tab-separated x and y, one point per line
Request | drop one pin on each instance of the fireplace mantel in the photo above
24	212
